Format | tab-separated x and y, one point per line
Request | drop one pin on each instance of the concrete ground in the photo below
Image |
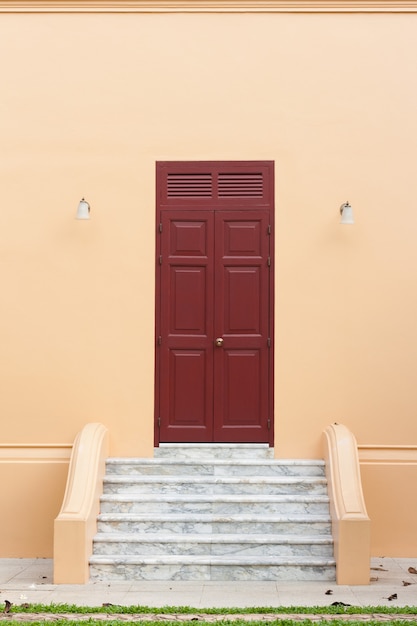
30	580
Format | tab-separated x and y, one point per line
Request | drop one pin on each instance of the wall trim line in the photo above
387	454
208	6
35	453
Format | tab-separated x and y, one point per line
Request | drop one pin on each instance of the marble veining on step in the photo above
207	523
212	568
215	484
213	512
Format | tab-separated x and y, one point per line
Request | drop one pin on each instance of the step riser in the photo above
155	468
221	508
312	528
245	488
217	451
125	572
216	549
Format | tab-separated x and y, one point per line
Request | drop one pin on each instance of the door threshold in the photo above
211	444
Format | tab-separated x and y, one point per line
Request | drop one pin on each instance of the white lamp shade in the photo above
347	214
83	211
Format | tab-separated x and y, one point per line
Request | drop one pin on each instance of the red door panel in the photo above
241	394
242	308
186	354
241	363
187	390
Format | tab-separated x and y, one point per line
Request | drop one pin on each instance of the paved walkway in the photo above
30	580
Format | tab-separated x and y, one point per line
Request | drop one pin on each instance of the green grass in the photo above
184	610
198	615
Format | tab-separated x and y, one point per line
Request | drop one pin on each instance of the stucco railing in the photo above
76	524
351	525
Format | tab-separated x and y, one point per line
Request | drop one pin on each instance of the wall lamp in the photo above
347	214
83	211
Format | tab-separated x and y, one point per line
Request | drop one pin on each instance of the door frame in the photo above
163	168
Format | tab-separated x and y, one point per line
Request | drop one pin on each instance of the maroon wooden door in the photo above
214	365
186	339
241	325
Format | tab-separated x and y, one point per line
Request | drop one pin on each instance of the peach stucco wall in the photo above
91	101
32	480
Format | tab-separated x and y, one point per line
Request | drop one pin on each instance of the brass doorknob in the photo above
219	342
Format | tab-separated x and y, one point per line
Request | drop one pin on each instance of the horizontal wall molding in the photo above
208	6
387	455
39	453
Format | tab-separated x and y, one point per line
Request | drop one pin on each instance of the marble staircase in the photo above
213	512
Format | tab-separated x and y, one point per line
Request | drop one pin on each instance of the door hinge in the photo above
159	422
269	424
269	342
269	229
160	227
160	259
269	261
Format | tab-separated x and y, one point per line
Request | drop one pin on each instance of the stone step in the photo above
192	567
208	485
216	504
219	544
212	524
201	451
213	512
215	467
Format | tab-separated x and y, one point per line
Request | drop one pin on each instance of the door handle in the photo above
219	342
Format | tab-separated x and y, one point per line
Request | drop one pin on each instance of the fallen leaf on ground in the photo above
328	592
8	606
379	569
412	570
393	596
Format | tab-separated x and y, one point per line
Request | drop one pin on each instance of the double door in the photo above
214	331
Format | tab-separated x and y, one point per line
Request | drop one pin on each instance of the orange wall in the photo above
387	474
32	480
91	101
391	508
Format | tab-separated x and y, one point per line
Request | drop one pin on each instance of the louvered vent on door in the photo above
189	185
215	184
240	185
